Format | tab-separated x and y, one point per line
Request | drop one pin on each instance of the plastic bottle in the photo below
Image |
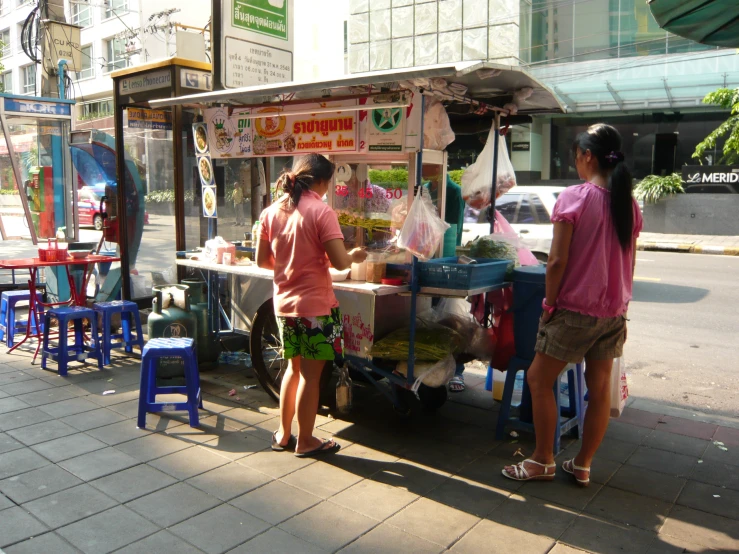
344	392
255	233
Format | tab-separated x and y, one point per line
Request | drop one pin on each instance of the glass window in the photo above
29	79
542	216
115	7
115	55
95	110
525	212
82	14
5	6
88	69
5	39
7	82
507	206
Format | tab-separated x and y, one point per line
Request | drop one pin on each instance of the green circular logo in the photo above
386	119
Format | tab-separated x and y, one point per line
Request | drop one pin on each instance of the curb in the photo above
688	248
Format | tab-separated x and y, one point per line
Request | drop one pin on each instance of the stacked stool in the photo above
8	324
155	349
130	318
80	350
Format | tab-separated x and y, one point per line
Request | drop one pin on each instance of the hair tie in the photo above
615	157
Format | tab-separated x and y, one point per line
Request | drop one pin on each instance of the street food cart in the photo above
372	127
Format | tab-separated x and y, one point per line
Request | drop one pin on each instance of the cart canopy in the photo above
712	22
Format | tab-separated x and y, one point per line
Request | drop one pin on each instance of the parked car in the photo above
88	206
528	210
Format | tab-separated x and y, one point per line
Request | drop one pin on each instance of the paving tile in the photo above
10	374
487	470
442	456
69	407
373	499
117	433
276	541
688	427
613	450
648	483
22	418
8	443
68	447
99	417
415	478
37	483
275	464
665	544
220	529
173	504
133	482
640	418
275	502
16	525
711	499
12	404
152	446
42	432
629	508
328	526
5	502
533	516
189	462
434	521
238	444
246	416
70	505
701	528
129	409
47	396
118	396
361	460
160	542
626	432
98	464
20	461
24	387
469	496
47	543
489	536
321	479
670	463
728	456
561	491
107	531
727	435
673	442
386	538
560	548
595	535
716	473
229	481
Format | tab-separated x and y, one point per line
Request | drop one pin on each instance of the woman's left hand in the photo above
546	316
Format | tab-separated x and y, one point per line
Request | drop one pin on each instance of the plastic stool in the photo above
129	317
574	413
169	348
8	325
80	350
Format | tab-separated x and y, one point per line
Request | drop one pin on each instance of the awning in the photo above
712	22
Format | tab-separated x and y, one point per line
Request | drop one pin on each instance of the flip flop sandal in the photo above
456	384
320	450
520	473
568	466
277	447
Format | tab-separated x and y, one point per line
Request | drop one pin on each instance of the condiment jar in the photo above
359	271
376	268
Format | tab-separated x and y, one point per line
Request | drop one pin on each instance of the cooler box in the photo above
529	290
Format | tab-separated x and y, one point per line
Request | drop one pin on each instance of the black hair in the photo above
309	169
604	142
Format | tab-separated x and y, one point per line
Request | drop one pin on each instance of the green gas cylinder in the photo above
176	321
207	344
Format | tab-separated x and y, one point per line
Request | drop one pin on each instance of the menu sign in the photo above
230	136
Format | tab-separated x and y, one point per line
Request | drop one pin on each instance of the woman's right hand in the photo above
358	255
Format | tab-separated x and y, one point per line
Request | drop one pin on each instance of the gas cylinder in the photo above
171	317
207	345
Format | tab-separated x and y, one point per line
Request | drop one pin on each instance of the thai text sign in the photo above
267	17
141	118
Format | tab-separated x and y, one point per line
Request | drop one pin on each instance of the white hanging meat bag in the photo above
477	178
423	229
437	131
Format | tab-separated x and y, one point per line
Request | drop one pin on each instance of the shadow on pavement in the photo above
663	293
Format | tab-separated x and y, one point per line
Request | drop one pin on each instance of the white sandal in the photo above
569	466
520	473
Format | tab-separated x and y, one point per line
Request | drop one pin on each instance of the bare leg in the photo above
543	372
288	393
308	393
597	416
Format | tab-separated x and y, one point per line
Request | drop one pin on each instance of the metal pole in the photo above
120	170
178	170
494	186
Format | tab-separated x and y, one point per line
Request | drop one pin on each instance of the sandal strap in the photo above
577	468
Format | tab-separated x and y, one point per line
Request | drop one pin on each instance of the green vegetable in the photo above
352	220
486	247
431	345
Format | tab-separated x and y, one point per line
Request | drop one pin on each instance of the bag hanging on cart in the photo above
423	229
478	178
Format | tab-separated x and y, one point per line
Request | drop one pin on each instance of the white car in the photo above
528	210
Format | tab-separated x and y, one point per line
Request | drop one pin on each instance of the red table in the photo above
77	297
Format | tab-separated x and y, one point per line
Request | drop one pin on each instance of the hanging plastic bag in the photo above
423	229
431	374
477	178
505	347
525	256
437	131
619	387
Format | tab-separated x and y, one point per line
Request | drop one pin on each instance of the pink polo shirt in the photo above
598	277
303	286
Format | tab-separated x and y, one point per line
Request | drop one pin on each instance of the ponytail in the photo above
294	185
308	170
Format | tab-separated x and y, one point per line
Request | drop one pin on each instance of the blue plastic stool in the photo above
169	348
129	318
80	350
574	413
8	324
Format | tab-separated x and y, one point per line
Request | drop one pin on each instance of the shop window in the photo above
29	79
5	40
6	81
88	69
115	7
82	14
115	55
95	110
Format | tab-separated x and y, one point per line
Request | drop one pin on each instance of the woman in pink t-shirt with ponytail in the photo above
298	236
588	288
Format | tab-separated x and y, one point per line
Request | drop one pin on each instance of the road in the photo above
683	348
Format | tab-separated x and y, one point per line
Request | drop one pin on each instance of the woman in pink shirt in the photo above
298	236
588	288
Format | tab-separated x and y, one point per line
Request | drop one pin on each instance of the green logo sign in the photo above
267	17
386	120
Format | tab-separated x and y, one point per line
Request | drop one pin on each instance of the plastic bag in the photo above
432	375
455	314
477	179
525	257
619	387
423	229
437	131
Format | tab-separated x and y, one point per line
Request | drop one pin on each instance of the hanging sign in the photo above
229	136
142	118
205	170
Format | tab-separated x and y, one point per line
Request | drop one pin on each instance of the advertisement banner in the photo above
711	178
142	118
229	136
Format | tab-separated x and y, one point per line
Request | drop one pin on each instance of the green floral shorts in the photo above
313	338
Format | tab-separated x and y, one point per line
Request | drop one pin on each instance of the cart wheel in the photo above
402	403
266	352
432	398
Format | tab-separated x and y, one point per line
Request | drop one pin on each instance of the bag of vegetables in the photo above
423	229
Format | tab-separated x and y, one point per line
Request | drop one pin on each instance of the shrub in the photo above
653	188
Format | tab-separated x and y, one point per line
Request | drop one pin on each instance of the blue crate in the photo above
447	273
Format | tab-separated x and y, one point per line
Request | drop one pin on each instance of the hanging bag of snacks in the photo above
423	229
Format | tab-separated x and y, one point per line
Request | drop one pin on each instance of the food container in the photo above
359	272
228	258
337	275
393	281
376	268
215	248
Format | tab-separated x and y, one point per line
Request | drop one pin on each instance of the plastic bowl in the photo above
337	275
79	254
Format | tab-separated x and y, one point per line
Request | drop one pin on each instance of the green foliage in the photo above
389	178
456	175
727	99
653	188
8	191
166	196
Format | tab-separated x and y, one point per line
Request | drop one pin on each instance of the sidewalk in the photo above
695	244
77	475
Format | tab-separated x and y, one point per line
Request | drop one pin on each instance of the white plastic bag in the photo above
477	178
437	131
619	387
423	229
431	374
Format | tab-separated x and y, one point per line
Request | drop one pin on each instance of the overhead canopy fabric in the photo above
712	22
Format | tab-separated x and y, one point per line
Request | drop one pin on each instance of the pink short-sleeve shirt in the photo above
302	282
598	277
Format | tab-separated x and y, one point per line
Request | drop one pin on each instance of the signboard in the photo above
142	118
229	136
711	178
38	108
199	80
149	81
205	170
256	42
62	43
520	146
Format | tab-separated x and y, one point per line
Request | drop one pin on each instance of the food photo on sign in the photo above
200	137
230	136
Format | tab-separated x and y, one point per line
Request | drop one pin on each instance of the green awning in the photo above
712	22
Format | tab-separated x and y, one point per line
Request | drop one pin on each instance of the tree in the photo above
728	99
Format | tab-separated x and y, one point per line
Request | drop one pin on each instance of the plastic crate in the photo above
447	273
